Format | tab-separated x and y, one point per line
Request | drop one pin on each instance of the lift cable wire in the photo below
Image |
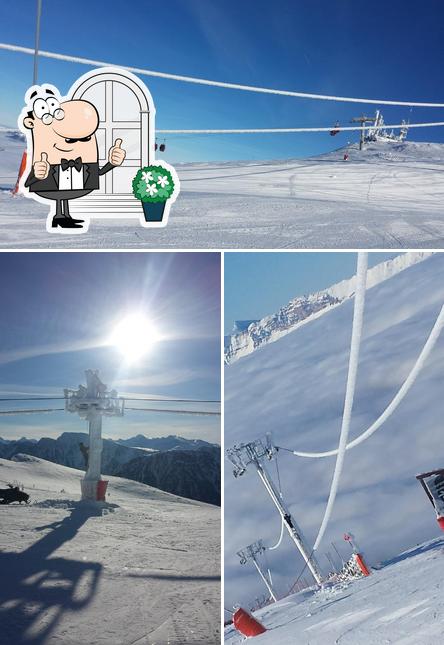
358	320
278	475
202	81
395	402
171	400
302	572
289	130
278	543
44	410
196	412
125	398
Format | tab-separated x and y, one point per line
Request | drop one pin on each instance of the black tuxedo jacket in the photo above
91	173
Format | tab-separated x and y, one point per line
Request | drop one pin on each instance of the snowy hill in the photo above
196	475
142	568
388	196
295	388
401	603
248	337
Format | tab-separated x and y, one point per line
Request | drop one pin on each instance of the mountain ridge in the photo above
301	309
194	470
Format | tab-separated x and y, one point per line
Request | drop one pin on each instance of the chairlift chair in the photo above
335	129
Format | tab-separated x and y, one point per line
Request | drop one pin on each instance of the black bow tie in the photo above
72	163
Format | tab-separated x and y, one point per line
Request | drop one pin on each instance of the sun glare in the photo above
134	336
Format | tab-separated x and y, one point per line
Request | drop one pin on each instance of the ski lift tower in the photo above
255	453
362	120
251	552
92	403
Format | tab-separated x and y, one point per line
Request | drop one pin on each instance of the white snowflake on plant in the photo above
147	176
163	181
151	189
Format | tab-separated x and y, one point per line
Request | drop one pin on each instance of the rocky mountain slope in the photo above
248	336
190	468
189	473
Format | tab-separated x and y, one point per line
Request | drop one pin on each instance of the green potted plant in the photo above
157	187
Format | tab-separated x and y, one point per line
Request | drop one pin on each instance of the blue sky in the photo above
257	284
58	308
349	47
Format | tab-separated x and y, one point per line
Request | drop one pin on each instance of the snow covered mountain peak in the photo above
248	336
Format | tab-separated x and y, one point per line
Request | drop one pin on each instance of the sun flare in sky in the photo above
134	335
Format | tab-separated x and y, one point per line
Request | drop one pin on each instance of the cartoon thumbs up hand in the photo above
116	154
41	168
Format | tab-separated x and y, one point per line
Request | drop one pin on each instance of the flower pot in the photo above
153	212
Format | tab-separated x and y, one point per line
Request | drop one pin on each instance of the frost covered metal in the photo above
255	453
433	484
91	403
252	552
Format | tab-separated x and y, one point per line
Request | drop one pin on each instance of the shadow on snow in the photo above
38	589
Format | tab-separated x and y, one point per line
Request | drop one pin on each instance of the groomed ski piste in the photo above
389	195
401	604
294	387
141	569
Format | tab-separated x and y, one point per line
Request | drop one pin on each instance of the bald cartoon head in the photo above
60	129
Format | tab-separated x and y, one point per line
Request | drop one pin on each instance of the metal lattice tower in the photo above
92	403
255	453
251	552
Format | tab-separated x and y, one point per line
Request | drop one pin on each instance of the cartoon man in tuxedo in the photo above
64	151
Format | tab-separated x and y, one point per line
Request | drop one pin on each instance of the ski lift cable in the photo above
358	319
397	399
203	81
303	571
278	475
153	400
167	411
42	410
196	412
171	400
278	543
290	130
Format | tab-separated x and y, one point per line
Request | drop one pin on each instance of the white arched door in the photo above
126	112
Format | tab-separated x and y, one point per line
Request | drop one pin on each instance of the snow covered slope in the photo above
389	196
141	569
295	388
302	309
401	603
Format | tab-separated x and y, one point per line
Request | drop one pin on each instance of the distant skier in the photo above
345	157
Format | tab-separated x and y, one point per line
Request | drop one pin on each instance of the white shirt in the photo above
70	179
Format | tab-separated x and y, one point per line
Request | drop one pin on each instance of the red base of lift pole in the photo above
246	624
362	565
20	173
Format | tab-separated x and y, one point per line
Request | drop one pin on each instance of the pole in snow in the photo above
362	120
255	452
92	403
37	41
251	552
